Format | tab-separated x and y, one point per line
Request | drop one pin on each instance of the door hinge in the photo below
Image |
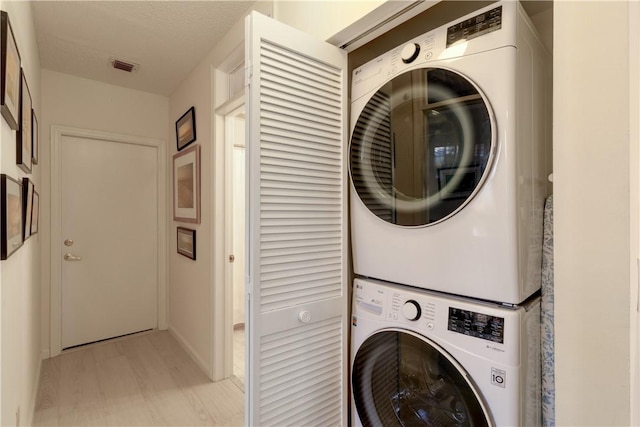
248	73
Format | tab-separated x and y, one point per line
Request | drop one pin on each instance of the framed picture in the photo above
10	74
27	205
23	136
11	216
186	185
35	213
186	128
457	183
187	242
34	137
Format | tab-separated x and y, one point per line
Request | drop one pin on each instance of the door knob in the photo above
68	242
232	258
72	257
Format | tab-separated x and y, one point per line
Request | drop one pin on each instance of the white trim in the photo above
377	22
190	351
34	395
221	342
57	133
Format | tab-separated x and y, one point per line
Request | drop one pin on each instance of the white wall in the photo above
592	205
189	280
191	297
634	158
322	18
20	274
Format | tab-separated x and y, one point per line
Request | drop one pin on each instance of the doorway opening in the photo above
235	226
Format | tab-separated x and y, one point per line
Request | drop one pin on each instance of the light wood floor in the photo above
142	380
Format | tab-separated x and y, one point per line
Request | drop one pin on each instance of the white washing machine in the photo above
420	358
449	158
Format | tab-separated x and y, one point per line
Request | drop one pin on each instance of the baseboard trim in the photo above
34	395
190	351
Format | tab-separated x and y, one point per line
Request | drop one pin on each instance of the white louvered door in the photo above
297	283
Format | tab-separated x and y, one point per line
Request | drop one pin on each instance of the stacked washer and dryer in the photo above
449	158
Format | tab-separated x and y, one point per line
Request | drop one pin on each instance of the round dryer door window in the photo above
401	379
421	147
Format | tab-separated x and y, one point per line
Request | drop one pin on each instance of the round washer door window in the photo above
422	147
400	379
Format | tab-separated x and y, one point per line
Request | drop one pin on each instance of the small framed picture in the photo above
23	136
186	129
35	213
186	185
12	216
27	206
10	74
187	242
34	137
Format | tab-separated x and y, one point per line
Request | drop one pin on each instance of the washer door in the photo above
422	147
403	379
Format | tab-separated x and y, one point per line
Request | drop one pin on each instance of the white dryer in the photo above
420	358
449	158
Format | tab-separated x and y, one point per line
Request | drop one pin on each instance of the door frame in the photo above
57	134
222	323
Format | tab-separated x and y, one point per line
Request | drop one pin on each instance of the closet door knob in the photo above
304	316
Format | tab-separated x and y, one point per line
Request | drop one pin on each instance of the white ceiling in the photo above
167	38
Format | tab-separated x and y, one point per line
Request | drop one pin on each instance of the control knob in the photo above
411	310
410	52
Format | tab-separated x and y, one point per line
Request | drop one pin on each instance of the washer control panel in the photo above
487	329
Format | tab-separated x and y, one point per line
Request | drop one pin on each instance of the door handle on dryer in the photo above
72	257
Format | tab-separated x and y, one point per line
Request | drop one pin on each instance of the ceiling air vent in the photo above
127	66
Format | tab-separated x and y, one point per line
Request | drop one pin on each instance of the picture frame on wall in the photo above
27	206
186	129
186	242
35	213
10	74
11	216
186	185
34	137
23	136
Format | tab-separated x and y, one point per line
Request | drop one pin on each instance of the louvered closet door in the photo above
297	371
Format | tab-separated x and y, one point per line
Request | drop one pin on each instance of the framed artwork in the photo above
27	205
9	75
186	185
186	129
35	213
34	138
23	136
187	242
11	216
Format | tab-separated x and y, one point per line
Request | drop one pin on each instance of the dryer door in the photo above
403	379
422	147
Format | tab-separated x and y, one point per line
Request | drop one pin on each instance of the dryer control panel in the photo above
462	37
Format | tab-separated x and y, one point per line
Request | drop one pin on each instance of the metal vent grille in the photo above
119	64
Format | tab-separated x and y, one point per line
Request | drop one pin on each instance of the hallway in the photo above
143	380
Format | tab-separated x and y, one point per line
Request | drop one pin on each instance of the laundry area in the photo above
355	213
450	161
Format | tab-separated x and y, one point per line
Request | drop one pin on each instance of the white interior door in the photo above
297	284
109	239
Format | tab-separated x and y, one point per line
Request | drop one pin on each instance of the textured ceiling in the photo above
167	38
